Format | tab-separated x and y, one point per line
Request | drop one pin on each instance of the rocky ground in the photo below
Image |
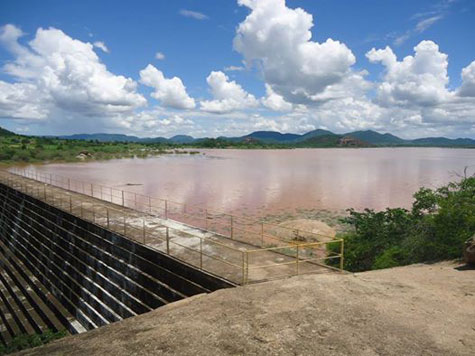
413	310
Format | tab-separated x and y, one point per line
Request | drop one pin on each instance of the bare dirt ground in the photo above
413	310
307	230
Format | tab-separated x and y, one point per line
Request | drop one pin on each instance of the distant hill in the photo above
102	137
4	132
443	141
271	137
314	133
181	139
315	138
376	138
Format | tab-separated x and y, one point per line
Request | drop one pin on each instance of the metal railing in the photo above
255	232
228	253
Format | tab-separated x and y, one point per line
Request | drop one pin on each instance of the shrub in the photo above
435	229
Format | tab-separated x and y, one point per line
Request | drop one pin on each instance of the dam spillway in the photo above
58	271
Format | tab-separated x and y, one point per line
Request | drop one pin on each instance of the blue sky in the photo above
337	85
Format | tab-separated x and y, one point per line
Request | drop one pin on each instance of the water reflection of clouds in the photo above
280	180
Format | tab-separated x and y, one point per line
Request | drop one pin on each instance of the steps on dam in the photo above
58	271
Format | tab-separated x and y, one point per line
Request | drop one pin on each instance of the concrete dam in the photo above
61	272
76	256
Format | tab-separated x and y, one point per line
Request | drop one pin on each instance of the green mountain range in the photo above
315	138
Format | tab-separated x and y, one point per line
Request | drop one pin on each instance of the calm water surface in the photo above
260	182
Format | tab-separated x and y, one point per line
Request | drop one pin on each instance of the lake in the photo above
261	182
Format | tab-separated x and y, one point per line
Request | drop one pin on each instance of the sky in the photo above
229	67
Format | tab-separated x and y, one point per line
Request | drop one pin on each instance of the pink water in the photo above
259	182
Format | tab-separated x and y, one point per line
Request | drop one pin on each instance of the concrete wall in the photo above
59	271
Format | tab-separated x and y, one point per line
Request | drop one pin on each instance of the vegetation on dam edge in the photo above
435	229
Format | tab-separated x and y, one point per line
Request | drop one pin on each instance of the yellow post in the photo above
342	251
262	234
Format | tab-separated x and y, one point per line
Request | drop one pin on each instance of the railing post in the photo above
69	184
232	228
168	241
123	200
107	214
262	234
166	209
125	226
81	210
206	219
93	215
342	251
201	253
150	204
247	267
243	268
70	204
135	201
297	260
143	225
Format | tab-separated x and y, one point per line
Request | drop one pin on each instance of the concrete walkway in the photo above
237	261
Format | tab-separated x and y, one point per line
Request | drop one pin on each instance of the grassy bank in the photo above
17	149
23	342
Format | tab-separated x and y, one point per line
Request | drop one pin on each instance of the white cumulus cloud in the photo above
228	95
278	40
468	81
416	80
160	56
170	92
275	101
56	72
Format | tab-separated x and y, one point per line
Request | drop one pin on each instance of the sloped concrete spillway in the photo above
58	271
